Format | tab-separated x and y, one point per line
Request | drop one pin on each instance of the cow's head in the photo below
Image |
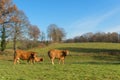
41	59
33	55
38	59
65	52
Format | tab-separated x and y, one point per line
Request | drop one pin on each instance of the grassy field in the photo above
87	61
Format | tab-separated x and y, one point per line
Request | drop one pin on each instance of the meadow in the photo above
87	61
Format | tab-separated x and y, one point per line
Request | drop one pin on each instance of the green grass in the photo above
46	71
87	61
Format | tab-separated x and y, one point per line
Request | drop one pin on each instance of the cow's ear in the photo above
34	53
64	52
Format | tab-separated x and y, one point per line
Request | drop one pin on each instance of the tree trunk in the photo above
14	41
14	46
3	39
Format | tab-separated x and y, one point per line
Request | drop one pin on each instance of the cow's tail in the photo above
49	53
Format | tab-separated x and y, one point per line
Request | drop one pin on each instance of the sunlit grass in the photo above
46	71
87	61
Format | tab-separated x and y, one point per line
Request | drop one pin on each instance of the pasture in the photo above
87	61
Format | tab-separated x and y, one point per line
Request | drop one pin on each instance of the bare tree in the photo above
42	37
34	32
55	33
19	25
52	32
6	12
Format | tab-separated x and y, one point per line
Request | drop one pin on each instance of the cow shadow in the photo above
97	54
21	79
90	50
98	63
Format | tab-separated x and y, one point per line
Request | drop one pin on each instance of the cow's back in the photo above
22	54
54	53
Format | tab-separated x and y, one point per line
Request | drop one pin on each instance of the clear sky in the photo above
75	16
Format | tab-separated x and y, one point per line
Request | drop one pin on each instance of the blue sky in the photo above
75	16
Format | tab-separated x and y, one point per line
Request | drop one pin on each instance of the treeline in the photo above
113	37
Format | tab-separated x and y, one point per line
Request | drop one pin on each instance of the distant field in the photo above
87	61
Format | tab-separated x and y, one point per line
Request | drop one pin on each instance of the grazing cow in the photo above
59	54
38	59
24	55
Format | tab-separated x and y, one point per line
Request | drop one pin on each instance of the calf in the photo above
38	59
58	54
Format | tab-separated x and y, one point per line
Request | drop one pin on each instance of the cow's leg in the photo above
15	61
59	61
52	61
18	60
30	60
63	61
33	61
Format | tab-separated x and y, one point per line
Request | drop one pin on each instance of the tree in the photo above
42	37
114	37
60	34
19	25
55	34
6	12
34	32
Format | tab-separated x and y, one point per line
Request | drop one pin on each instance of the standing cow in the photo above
24	55
58	54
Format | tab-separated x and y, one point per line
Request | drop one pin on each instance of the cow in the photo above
38	59
25	55
57	54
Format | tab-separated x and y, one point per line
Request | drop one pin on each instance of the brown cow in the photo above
38	59
24	55
59	54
